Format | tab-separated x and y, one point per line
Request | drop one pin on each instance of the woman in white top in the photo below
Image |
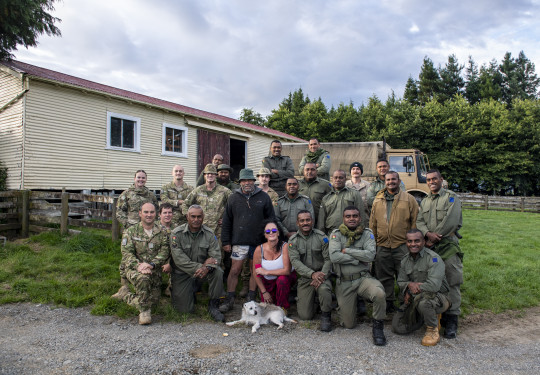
272	266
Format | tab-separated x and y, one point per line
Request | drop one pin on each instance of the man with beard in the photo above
224	177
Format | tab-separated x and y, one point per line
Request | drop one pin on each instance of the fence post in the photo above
115	227
522	204
65	212
25	215
486	202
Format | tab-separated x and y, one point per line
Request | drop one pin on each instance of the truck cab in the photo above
412	166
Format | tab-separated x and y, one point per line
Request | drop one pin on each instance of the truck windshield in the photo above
422	167
403	164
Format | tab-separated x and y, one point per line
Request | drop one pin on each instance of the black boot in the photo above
390	307
326	321
228	304
360	306
450	330
378	333
213	309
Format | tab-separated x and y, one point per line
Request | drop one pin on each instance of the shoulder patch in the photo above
290	245
435	260
333	236
309	200
325	239
174	238
372	236
328	156
451	199
124	241
329	184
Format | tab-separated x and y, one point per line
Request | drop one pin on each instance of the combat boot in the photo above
378	333
450	331
431	338
122	292
227	305
145	317
244	291
213	309
360	306
326	321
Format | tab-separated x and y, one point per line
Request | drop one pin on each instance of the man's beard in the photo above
223	180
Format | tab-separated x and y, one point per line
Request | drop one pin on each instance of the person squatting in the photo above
310	246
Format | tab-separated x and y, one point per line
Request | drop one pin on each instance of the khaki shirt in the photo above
285	169
137	247
171	194
315	190
213	203
324	164
309	253
332	206
189	251
377	186
428	268
440	213
391	231
129	203
357	257
287	209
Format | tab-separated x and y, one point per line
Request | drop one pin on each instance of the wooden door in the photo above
209	144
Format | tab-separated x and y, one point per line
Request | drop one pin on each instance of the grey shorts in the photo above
239	252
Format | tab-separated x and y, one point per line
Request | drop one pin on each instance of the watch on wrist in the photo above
210	269
152	264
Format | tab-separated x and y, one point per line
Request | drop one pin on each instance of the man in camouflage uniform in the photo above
288	207
212	197
351	250
382	168
127	211
308	251
144	251
281	167
319	156
195	259
333	204
174	193
165	220
439	220
315	188
356	170
264	176
216	160
423	285
224	177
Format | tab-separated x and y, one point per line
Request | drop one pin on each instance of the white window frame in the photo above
137	135
184	130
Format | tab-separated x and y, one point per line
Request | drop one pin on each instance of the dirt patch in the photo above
209	351
506	328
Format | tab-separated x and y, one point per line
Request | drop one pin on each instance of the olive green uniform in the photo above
138	247
129	203
309	254
315	190
287	211
285	168
324	162
375	187
332	206
354	278
189	251
171	193
441	213
232	186
427	268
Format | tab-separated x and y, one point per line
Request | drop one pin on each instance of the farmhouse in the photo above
60	131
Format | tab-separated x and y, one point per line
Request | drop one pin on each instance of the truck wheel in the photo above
418	197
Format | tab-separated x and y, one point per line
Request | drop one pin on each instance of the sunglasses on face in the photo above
268	231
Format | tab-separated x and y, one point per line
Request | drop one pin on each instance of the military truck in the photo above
412	165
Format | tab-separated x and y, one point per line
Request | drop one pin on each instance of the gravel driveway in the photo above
39	339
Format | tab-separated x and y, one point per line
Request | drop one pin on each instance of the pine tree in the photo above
472	82
429	82
451	81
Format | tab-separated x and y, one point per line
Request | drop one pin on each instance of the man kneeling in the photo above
144	250
422	282
196	257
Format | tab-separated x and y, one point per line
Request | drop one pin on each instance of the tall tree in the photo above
519	81
286	117
22	21
251	116
472	82
451	81
429	81
411	91
491	80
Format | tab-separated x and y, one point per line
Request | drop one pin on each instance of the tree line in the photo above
479	126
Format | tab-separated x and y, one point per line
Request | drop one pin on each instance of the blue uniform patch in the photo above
451	199
328	156
325	240
434	260
372	236
309	200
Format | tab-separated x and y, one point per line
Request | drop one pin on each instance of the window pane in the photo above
128	134
396	164
116	132
169	139
177	140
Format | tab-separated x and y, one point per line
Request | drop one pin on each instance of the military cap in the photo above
210	168
224	167
264	171
357	164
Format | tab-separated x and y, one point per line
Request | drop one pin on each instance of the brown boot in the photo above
145	317
431	338
122	292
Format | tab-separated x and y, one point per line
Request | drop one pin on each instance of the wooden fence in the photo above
499	203
29	211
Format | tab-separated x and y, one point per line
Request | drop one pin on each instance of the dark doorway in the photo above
209	144
238	157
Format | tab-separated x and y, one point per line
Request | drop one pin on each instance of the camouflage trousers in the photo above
365	286
426	307
147	289
306	297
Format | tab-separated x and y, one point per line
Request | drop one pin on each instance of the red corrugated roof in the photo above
36	71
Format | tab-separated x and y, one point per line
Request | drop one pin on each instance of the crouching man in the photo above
422	282
195	257
145	249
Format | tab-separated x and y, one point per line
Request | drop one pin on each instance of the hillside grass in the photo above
501	268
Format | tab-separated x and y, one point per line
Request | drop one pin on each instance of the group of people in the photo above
347	238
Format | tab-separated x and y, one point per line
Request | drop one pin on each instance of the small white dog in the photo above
261	313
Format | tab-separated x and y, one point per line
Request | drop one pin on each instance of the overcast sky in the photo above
222	56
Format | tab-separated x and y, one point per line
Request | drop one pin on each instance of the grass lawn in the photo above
501	267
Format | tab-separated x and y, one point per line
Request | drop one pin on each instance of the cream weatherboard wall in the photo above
11	129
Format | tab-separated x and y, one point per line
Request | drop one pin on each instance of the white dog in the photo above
261	313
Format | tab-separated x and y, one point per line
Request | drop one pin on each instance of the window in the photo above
404	164
174	140
123	132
